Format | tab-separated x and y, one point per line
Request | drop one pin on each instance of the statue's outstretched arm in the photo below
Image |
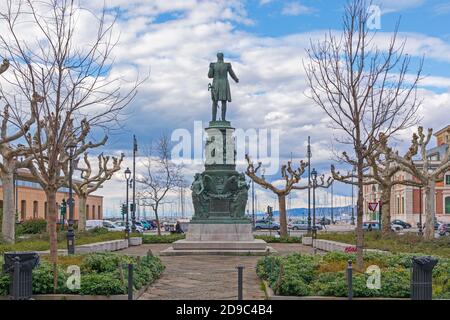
232	74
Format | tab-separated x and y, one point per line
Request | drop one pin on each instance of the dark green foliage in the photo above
33	226
107	283
100	274
302	274
273	239
162	239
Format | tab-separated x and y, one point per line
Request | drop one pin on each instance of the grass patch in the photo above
407	243
41	242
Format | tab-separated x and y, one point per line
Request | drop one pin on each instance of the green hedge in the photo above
33	226
101	274
273	239
163	238
303	274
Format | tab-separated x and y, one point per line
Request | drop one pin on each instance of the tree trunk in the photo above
359	215
282	212
430	210
51	222
157	220
385	210
82	212
9	211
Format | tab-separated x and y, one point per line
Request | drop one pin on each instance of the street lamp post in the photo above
314	184
70	232
332	204
127	223
309	185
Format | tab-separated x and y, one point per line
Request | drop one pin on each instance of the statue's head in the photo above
220	56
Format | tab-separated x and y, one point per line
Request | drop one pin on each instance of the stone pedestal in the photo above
219	196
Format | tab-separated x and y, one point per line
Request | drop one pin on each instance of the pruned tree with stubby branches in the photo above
72	75
290	176
426	171
363	90
91	180
381	171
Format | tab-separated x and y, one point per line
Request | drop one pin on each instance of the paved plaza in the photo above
206	276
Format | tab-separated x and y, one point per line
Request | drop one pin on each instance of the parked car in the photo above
122	224
396	227
112	226
91	224
266	225
298	225
325	221
404	224
145	224
370	225
444	229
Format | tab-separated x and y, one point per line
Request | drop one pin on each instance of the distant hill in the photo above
320	212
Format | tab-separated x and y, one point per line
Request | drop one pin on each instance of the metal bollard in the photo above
240	280
350	280
130	281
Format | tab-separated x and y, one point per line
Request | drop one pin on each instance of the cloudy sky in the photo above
265	40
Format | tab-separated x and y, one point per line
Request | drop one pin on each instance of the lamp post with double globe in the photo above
70	232
127	223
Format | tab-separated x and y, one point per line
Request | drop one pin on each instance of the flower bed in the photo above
101	274
307	275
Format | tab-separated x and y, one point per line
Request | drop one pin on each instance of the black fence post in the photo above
130	281
350	280
240	280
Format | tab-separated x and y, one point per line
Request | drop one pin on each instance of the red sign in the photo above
373	206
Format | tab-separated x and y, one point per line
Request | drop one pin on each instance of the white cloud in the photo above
296	9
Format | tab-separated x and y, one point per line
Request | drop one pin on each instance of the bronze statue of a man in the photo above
220	89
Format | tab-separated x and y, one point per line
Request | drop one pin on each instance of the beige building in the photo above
408	202
31	202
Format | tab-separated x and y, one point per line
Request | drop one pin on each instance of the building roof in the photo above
447	128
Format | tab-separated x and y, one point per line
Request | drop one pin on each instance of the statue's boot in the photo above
224	110
214	111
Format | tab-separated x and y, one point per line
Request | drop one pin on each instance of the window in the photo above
93	211
87	212
23	210
447	205
35	210
99	212
45	210
447	180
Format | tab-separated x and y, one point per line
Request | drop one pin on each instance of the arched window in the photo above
35	210
87	212
447	205
23	210
45	210
99	212
93	211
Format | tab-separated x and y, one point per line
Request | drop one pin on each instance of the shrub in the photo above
395	283
33	226
43	279
330	284
162	239
103	262
107	283
273	239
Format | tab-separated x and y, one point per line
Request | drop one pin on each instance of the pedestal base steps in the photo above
226	239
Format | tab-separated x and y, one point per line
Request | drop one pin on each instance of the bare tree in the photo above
381	172
290	176
427	172
79	92
10	163
91	181
363	90
161	175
